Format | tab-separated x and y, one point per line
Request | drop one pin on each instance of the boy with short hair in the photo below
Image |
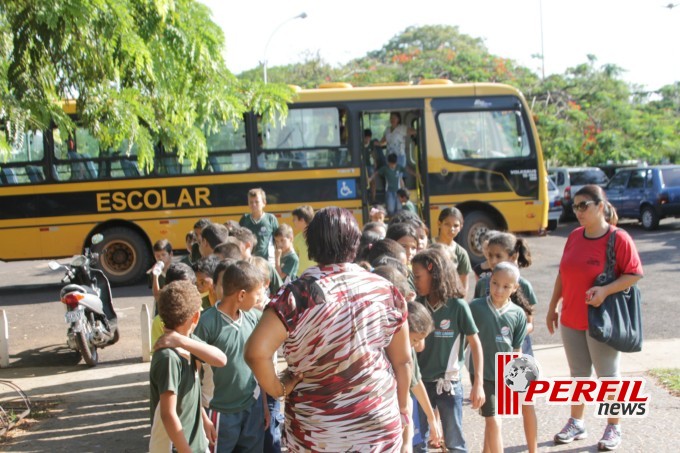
212	236
405	200
204	269
190	240
301	218
249	241
261	223
174	272
177	419
286	260
198	228
237	407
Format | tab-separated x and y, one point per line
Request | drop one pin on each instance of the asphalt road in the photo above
37	327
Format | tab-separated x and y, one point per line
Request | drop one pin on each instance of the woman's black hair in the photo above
597	194
368	238
333	236
445	281
397	231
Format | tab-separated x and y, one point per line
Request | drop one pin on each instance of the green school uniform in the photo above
263	230
290	264
499	331
234	383
443	355
171	372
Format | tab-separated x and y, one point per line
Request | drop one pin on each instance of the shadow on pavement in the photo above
97	411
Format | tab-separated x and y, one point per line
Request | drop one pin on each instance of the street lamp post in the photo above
299	16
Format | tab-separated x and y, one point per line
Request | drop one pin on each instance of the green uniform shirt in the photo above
482	289
409	206
392	177
499	331
171	372
415	369
234	383
263	230
443	354
290	264
463	258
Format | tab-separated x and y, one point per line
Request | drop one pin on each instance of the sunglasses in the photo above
582	206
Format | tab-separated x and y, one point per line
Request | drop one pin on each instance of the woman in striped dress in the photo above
345	339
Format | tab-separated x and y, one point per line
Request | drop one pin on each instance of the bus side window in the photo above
34	173
7	176
130	168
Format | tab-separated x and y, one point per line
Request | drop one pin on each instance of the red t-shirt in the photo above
582	261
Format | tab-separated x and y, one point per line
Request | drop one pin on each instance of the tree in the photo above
143	73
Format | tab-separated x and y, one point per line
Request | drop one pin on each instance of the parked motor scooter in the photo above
90	315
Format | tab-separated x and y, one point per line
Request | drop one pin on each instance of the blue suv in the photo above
646	193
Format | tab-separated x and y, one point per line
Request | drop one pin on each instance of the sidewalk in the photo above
105	408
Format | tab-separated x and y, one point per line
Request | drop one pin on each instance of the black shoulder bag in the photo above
618	321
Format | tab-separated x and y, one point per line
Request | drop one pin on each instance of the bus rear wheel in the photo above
124	256
476	224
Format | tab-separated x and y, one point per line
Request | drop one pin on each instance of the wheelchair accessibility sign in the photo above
347	188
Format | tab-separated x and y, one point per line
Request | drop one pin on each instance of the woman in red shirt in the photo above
583	259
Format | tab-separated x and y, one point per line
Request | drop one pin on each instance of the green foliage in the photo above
588	115
142	72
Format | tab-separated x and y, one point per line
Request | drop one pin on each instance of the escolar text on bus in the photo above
136	200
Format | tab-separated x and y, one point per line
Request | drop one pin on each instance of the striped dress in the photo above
339	319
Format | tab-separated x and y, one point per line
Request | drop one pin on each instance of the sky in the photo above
640	36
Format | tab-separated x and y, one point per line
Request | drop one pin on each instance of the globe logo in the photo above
520	372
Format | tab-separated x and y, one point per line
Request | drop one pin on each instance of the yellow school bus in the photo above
473	146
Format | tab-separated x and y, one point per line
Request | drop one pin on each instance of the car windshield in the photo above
581	178
671	177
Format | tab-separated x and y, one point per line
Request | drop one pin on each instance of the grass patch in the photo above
668	378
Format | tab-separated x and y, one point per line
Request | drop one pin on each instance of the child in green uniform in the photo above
505	247
502	326
261	223
450	223
405	200
237	407
286	260
442	359
393	174
177	419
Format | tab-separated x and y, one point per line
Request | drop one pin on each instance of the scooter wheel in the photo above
89	354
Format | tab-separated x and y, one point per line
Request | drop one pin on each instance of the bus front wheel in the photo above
476	224
124	256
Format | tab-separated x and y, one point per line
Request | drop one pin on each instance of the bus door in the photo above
374	123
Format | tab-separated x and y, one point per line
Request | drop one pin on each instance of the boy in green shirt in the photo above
261	223
177	418
405	200
393	174
237	407
286	260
